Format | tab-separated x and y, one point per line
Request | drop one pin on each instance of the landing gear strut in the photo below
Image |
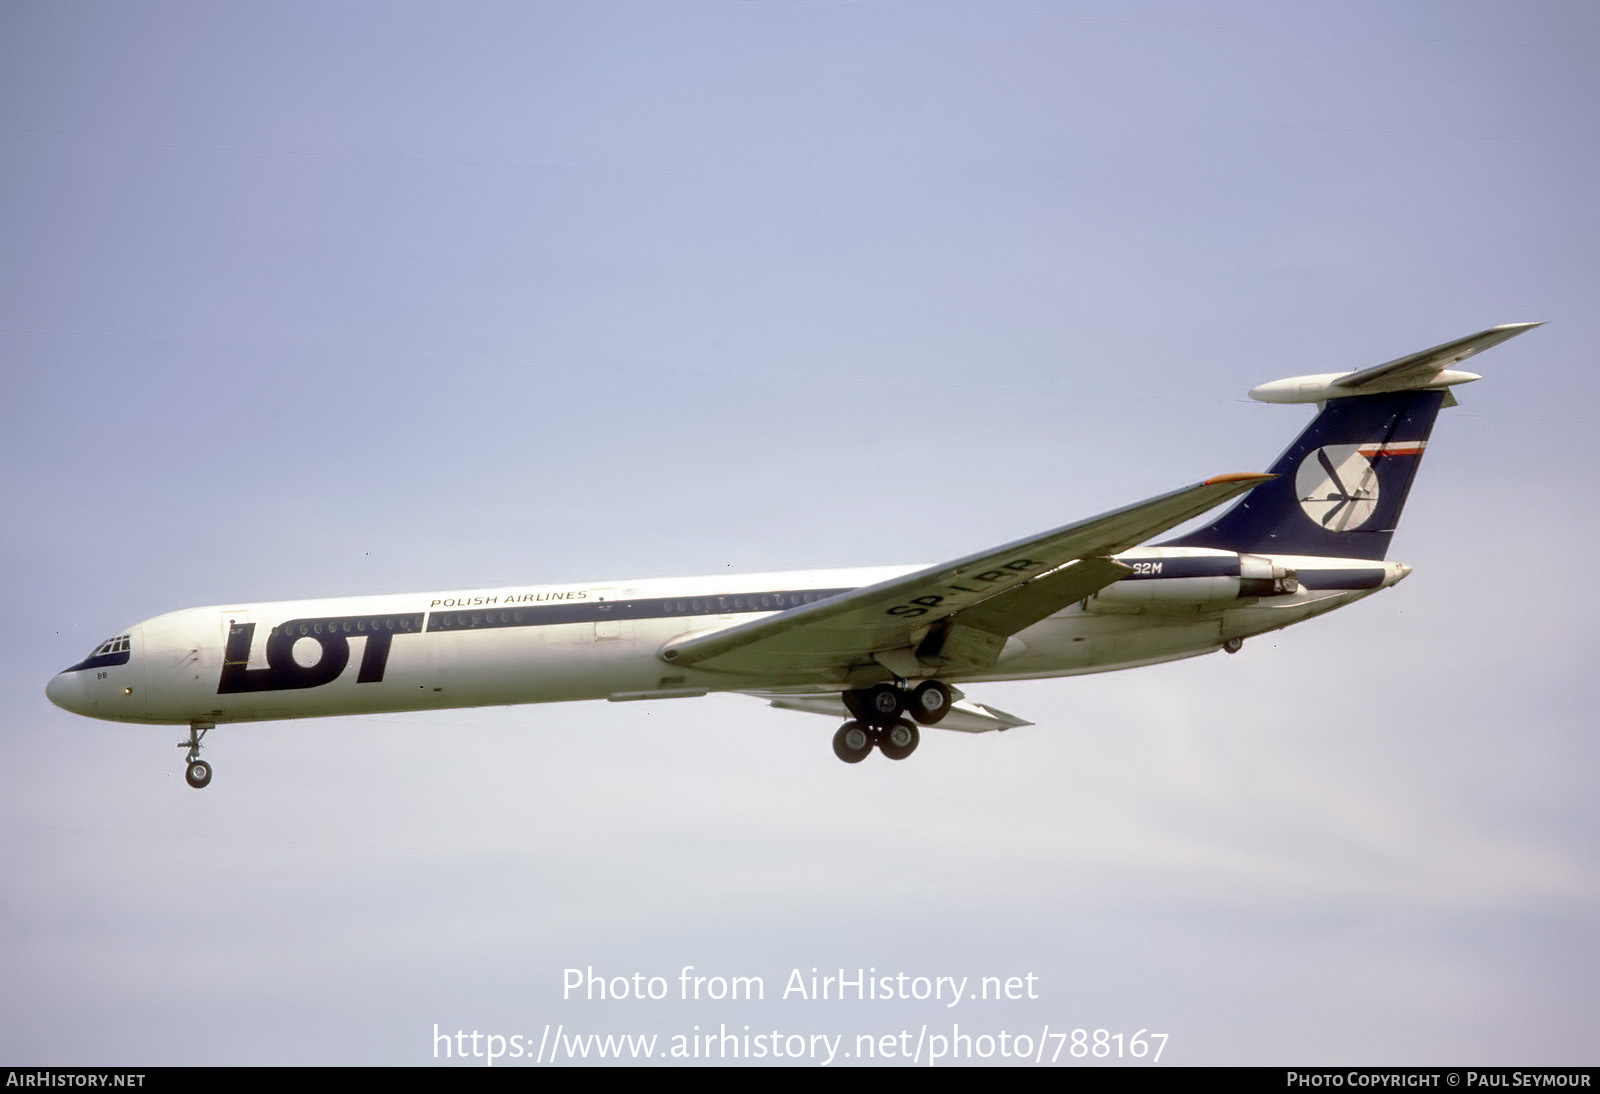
878	720
198	773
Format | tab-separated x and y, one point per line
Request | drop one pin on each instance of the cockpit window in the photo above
113	651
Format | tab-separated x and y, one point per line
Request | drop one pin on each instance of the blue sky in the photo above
304	299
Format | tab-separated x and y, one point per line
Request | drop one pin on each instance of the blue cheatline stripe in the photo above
546	615
1156	569
353	625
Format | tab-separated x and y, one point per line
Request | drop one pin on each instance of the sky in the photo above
305	300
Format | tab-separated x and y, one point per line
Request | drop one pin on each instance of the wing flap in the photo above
975	638
1042	597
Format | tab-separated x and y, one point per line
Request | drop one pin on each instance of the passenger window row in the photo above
653	608
353	625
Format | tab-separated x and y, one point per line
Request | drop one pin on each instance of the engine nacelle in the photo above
1189	583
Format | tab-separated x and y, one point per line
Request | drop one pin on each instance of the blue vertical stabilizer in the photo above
1340	486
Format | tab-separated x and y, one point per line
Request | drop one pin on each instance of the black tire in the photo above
1233	645
899	740
884	704
852	743
198	775
930	703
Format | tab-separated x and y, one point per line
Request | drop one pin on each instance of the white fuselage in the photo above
554	643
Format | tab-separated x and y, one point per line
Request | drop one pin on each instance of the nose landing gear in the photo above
198	773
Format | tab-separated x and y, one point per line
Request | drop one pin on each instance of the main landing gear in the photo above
879	723
198	774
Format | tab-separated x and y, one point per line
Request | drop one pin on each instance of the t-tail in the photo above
1343	482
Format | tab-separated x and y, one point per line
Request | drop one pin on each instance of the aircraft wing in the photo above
956	614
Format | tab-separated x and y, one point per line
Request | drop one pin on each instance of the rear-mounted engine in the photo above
1150	590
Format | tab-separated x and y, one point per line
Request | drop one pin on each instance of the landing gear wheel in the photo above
1233	645
930	702
852	743
899	740
884	702
198	775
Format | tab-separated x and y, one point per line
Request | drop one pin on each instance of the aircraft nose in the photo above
65	691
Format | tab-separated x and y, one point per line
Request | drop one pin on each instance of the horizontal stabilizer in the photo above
1429	368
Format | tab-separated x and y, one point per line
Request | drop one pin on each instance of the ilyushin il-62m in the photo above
886	649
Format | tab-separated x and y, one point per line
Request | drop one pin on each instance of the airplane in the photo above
887	648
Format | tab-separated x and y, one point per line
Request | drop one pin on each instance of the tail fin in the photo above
1340	486
1342	483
